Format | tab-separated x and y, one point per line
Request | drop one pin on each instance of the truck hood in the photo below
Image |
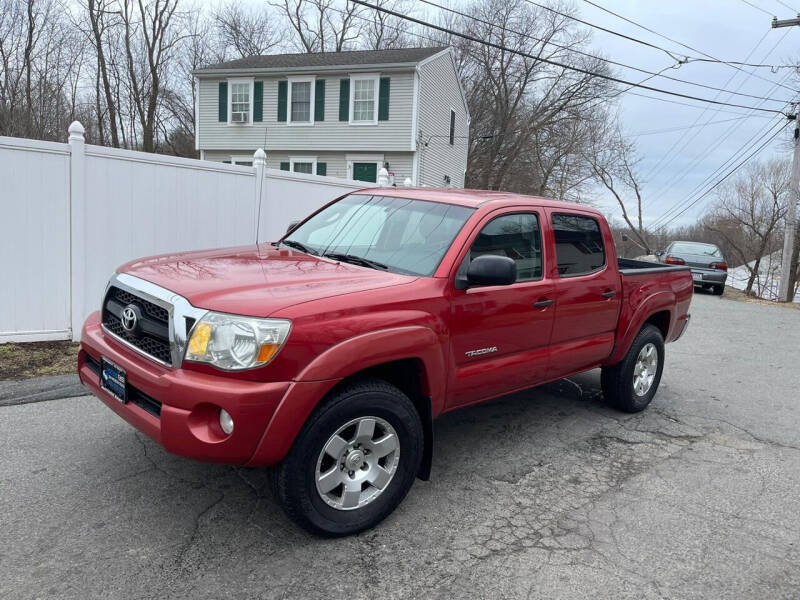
256	280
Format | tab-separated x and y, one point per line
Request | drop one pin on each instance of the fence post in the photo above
259	163
77	237
383	177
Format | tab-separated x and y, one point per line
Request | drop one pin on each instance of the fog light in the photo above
225	421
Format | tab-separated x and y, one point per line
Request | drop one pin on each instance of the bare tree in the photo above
250	32
40	67
613	161
382	30
749	210
321	25
149	45
514	95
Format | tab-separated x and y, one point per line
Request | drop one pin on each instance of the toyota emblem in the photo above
128	318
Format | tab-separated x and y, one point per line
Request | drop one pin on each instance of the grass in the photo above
738	295
34	359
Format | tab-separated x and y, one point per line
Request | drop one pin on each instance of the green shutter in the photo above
223	101
282	91
344	100
284	166
322	168
258	101
319	100
383	100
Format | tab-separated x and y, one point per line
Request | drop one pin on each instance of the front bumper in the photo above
712	276
178	408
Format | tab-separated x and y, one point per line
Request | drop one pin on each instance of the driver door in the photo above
500	335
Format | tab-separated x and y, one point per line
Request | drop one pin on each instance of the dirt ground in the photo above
34	359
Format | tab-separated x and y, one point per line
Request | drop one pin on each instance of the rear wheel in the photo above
718	290
354	460
631	384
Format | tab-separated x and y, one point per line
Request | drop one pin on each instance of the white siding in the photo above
400	163
330	134
438	93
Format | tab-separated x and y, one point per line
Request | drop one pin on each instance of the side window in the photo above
579	244
517	236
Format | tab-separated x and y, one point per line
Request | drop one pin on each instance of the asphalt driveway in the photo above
544	494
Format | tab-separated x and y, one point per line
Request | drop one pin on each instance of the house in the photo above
341	114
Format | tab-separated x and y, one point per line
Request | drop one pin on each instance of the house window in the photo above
452	126
243	161
364	100
301	100
303	164
241	100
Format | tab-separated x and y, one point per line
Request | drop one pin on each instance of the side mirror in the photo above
659	253
292	225
491	269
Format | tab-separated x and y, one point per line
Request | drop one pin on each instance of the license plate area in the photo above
113	380
697	276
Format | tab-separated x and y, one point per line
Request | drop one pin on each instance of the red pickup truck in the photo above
329	353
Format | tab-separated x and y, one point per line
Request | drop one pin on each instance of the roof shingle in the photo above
326	59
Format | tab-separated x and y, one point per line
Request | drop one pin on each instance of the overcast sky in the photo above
729	30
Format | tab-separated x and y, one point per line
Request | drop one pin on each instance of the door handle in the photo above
609	294
543	303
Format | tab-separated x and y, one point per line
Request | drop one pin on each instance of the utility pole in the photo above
785	294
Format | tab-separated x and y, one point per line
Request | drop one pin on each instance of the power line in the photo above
555	63
751	5
699	157
722	110
669	156
794	10
739	151
593	56
671	129
728	174
709	58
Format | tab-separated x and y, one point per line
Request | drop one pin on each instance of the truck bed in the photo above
629	266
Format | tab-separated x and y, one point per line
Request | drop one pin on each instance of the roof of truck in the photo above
472	198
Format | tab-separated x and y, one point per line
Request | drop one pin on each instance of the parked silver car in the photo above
709	268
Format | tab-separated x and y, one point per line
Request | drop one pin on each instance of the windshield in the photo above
393	234
695	248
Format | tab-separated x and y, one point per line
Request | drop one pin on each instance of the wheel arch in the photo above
410	358
657	309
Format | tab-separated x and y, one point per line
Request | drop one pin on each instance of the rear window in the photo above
695	248
579	245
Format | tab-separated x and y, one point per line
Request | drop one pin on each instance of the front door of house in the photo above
365	171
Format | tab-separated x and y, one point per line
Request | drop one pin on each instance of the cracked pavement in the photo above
542	494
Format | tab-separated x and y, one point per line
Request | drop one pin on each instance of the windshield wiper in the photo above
299	246
357	260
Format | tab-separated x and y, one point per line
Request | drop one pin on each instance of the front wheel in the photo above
354	460
630	385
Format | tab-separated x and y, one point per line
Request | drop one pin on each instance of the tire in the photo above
311	457
618	381
718	290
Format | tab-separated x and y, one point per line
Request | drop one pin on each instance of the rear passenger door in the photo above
587	293
499	334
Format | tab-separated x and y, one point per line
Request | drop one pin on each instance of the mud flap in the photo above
426	415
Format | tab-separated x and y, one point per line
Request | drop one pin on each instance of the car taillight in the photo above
720	266
674	260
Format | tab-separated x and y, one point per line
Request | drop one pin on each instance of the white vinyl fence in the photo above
71	213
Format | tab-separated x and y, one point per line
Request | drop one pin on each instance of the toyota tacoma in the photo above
328	353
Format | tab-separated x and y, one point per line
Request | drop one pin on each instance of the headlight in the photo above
232	342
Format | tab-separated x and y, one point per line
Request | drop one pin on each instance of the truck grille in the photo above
151	334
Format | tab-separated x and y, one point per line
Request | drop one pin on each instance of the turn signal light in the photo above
719	266
674	260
